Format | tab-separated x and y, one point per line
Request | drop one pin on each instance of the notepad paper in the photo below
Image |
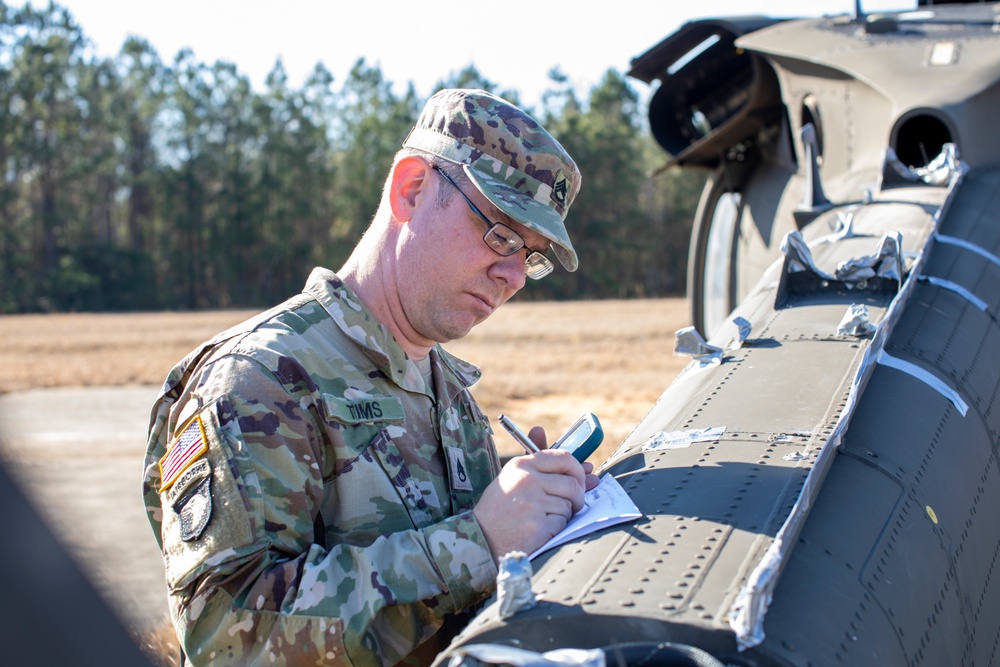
607	505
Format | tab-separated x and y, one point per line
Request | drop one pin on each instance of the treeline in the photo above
133	184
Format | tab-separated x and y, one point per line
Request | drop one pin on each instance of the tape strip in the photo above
682	439
924	376
962	243
957	289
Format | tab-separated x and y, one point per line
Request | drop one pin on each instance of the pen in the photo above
517	434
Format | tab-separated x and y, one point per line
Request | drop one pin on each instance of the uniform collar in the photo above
357	322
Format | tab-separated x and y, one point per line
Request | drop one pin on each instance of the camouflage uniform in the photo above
312	494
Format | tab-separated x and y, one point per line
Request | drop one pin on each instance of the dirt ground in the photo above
77	390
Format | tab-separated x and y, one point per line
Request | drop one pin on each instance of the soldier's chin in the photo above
455	333
444	331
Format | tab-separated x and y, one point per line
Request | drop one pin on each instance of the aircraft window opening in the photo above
810	114
718	279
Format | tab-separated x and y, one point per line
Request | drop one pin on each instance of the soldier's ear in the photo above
409	186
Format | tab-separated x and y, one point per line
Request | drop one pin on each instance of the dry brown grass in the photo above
543	363
83	350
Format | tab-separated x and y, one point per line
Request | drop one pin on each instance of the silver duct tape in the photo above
972	247
943	168
886	262
957	289
939	171
475	655
514	592
682	439
925	376
688	342
799	257
856	322
737	338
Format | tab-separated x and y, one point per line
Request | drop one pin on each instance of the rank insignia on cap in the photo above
186	448
560	188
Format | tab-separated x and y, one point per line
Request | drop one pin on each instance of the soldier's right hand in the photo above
532	500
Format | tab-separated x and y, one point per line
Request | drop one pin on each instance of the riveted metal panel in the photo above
822	614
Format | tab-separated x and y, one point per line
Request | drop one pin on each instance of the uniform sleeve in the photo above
247	582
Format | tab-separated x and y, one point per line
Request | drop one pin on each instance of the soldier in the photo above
321	483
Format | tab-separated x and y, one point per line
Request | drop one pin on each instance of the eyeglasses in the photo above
504	241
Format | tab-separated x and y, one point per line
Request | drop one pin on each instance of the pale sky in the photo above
421	42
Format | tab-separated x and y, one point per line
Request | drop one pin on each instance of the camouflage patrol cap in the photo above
508	156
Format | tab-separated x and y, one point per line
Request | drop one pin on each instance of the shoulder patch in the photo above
186	448
195	473
195	510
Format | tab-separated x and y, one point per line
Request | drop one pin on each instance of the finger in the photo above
590	480
553	524
558	506
566	488
532	479
537	435
558	462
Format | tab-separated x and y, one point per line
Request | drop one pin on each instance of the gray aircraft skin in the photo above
847	509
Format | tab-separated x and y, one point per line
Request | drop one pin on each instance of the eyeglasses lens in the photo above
537	266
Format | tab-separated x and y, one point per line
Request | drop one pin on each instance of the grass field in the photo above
543	363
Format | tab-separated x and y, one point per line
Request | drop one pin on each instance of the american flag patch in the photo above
183	451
